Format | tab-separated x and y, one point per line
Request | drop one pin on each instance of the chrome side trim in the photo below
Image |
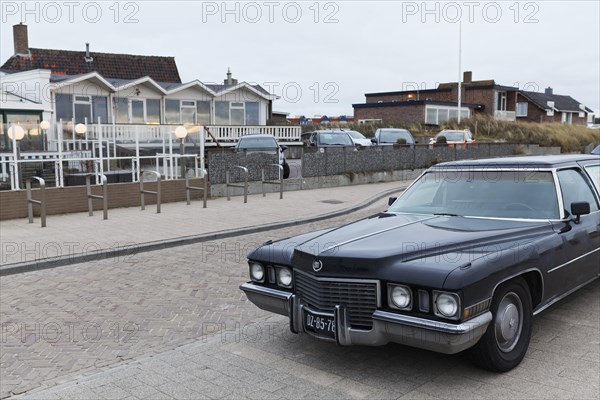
438	326
573	260
519	274
545	306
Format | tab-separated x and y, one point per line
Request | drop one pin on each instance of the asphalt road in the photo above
173	324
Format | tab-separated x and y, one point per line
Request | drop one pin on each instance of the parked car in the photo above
463	259
264	143
358	139
596	150
391	136
330	138
458	138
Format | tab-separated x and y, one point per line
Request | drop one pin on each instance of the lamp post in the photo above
181	133
16	134
44	126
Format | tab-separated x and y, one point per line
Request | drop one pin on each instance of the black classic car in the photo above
461	260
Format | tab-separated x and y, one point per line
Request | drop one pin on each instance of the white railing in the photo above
124	134
505	115
166	165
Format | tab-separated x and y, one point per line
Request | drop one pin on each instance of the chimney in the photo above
230	80
20	39
467	76
548	90
88	58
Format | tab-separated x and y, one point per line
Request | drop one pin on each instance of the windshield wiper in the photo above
446	214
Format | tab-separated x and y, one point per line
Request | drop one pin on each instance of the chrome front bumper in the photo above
387	327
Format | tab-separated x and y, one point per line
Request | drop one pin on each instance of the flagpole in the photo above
459	68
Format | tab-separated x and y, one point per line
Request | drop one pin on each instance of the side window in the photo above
575	187
594	173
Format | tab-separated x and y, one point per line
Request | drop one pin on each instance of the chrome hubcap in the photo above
509	322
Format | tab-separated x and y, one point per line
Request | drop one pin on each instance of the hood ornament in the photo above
317	265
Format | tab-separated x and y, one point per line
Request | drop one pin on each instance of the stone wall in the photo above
336	161
219	161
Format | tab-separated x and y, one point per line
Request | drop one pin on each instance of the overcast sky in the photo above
321	57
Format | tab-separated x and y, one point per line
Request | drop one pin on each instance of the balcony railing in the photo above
125	134
505	115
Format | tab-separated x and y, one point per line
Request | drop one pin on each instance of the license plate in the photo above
321	325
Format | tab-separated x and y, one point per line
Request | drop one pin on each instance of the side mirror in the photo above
284	148
416	142
391	200
313	144
374	141
580	208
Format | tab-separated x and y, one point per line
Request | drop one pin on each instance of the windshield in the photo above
355	135
491	193
257	143
453	136
335	138
393	136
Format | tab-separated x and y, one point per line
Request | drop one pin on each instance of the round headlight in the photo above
401	296
284	277
447	305
257	272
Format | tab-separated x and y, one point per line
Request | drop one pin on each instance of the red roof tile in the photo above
120	66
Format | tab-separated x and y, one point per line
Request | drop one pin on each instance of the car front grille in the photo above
359	297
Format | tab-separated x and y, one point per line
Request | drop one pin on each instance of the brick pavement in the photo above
127	230
143	320
62	321
260	360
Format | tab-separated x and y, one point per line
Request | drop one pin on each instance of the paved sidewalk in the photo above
71	238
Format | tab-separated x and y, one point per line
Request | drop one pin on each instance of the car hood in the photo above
425	248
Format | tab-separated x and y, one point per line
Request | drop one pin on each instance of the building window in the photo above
501	101
252	113
203	112
100	109
121	110
137	111
431	116
172	112
438	115
237	113
153	111
567	118
188	112
64	107
222	112
522	109
82	107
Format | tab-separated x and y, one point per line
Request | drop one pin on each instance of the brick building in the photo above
435	106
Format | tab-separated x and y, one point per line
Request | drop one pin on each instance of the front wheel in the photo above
506	339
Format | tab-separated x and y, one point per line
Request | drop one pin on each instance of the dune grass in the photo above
571	138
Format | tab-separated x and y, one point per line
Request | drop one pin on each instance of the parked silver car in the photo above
264	143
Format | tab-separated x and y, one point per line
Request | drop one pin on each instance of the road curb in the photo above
19	268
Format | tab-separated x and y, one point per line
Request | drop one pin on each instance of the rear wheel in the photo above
506	339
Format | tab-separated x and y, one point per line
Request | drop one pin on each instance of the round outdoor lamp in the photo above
16	132
180	133
44	126
80	129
